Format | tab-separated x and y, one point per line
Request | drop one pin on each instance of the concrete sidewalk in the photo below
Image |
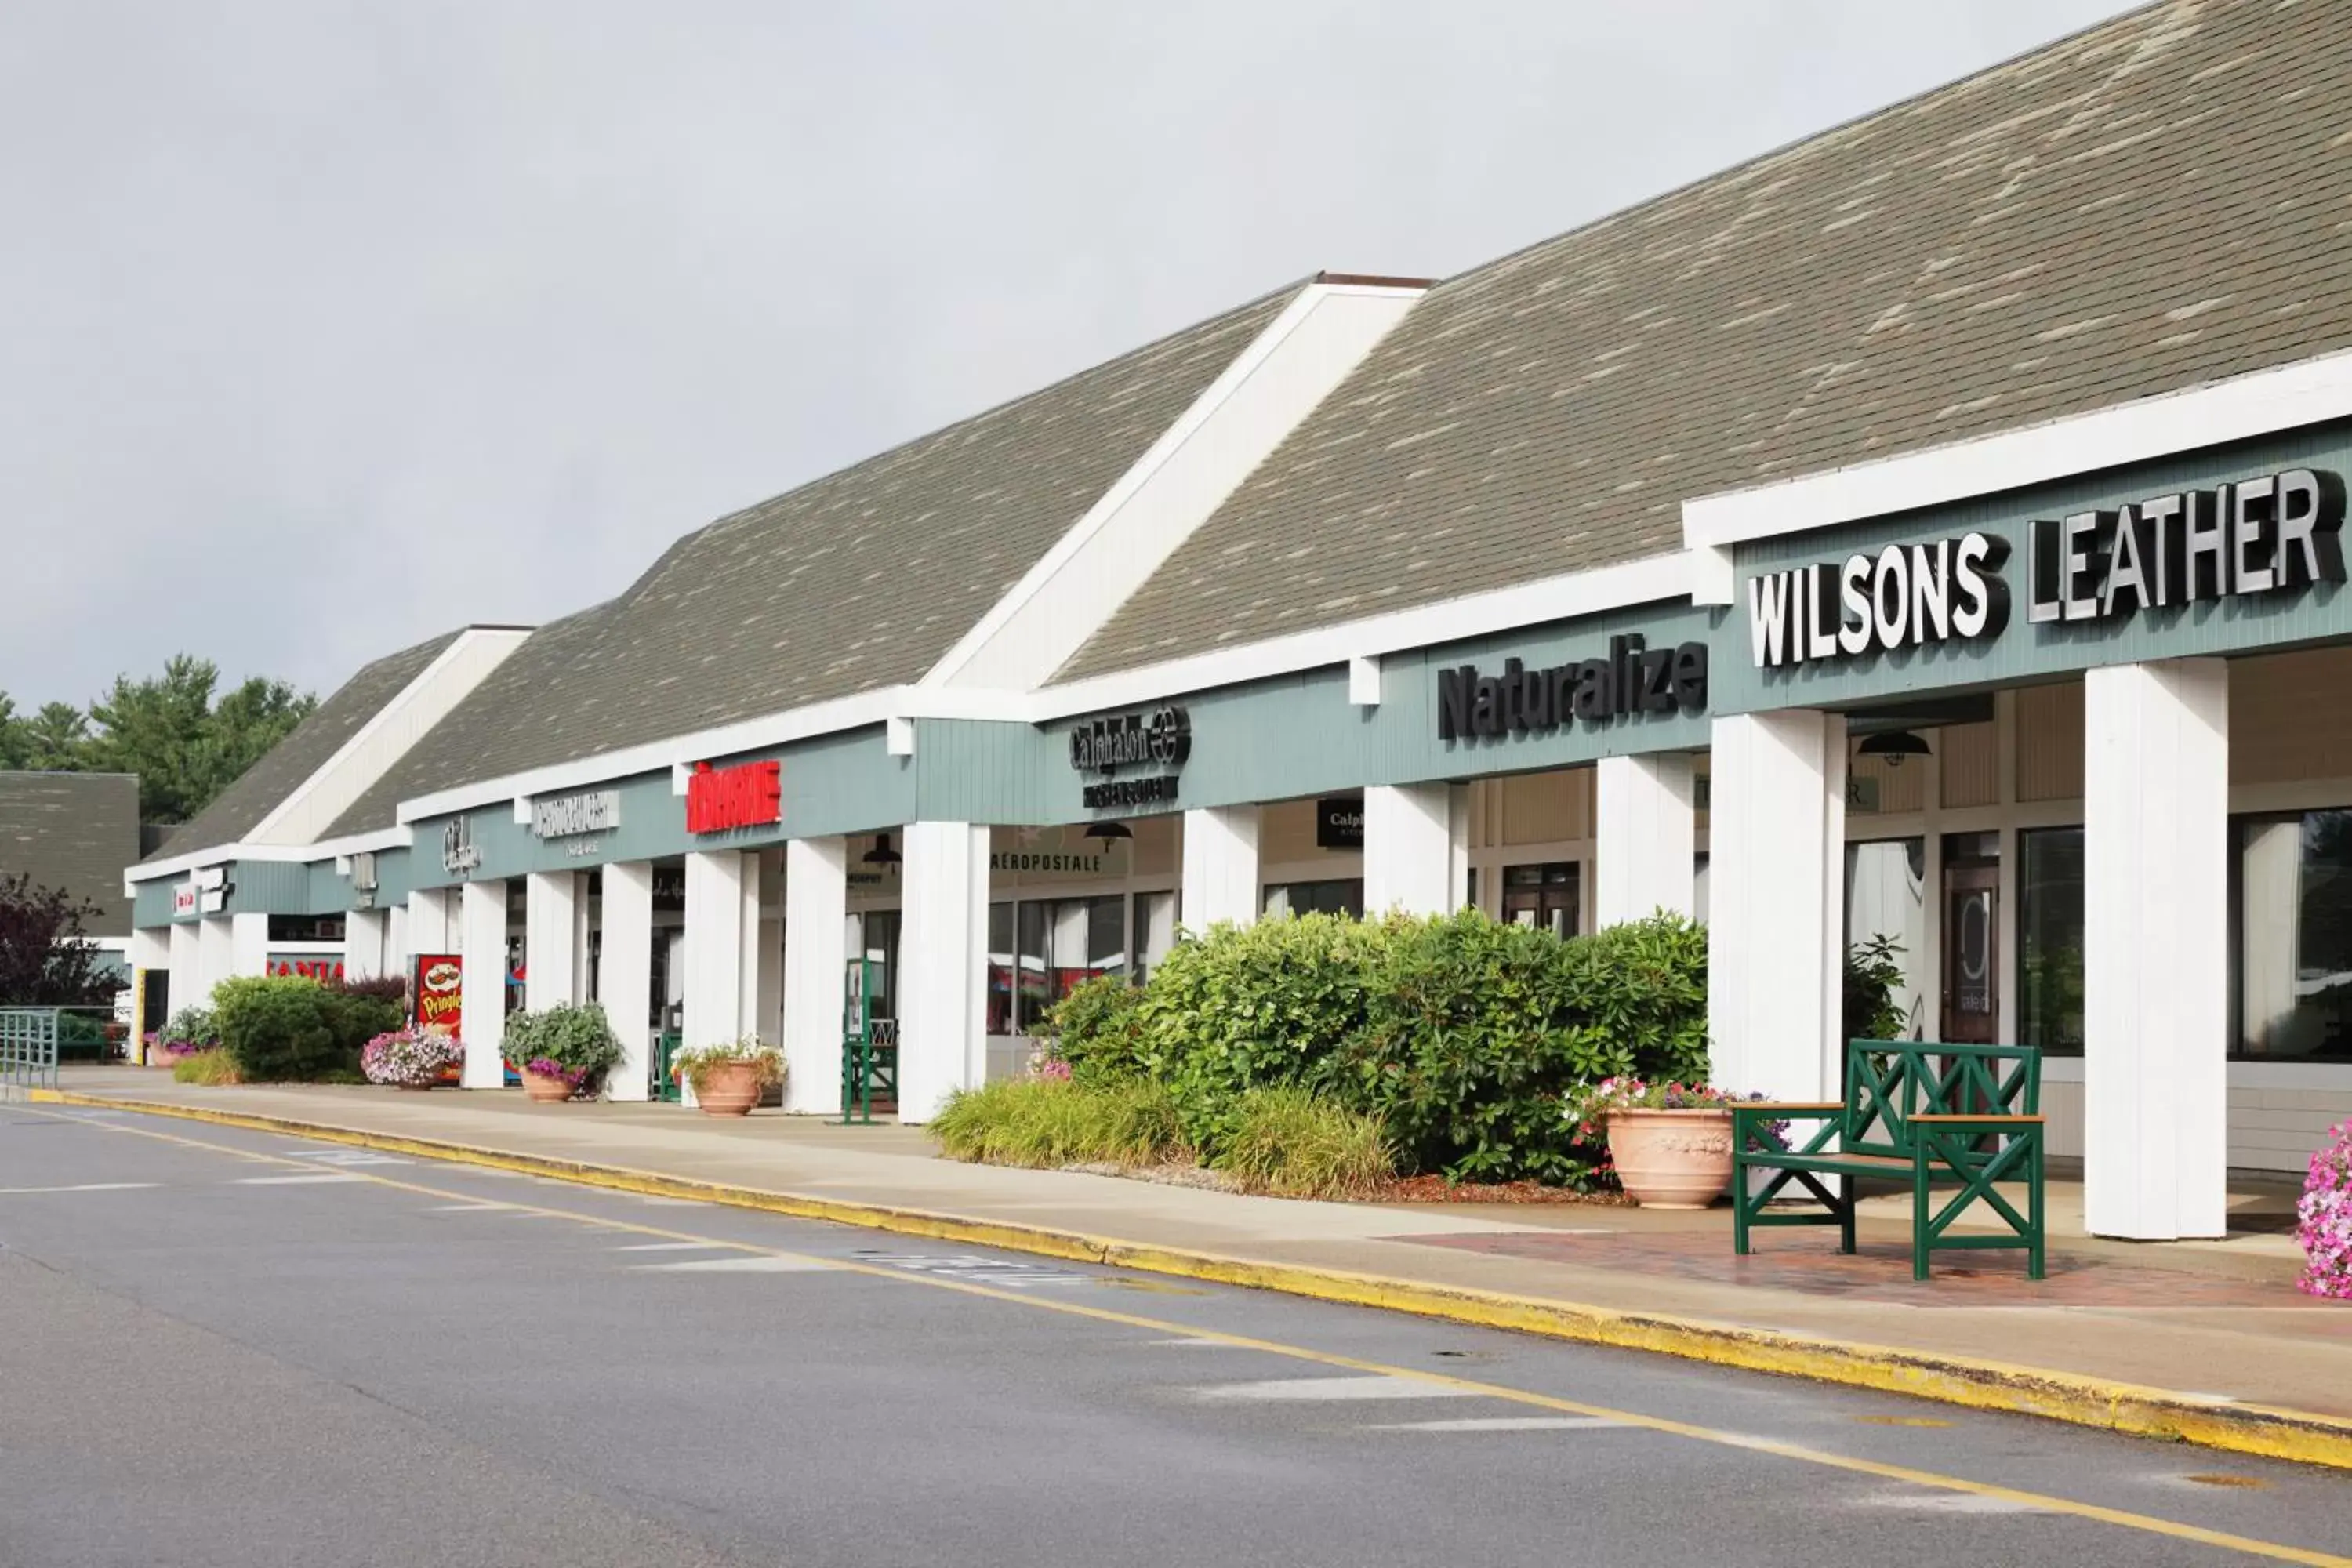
2212	1327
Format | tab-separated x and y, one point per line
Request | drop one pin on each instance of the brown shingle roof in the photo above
74	831
2163	200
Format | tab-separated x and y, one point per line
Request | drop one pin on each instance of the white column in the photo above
1409	849
1220	867
1777	904
752	979
482	944
214	964
396	949
624	972
432	922
550	913
1647	837
715	942
248	944
942	965
364	944
2156	785
188	987
817	954
1457	847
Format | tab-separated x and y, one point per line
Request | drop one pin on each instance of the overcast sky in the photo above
328	327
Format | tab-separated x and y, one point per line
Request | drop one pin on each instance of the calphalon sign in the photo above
1634	679
2275	533
1162	739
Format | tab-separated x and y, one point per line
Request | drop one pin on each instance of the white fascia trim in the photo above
292	854
2261	403
1172	440
867	707
1650	580
384	715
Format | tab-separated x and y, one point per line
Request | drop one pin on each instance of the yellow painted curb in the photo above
2131	1408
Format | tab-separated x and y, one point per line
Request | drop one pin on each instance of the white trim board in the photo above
2263	403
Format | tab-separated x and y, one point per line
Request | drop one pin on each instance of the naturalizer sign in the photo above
2276	533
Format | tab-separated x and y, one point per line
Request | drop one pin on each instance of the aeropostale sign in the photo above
2272	534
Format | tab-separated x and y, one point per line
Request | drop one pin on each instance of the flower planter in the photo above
728	1088
546	1087
1671	1159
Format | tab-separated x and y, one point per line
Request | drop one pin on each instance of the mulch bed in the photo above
1437	1190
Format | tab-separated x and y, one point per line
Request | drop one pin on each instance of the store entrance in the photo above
1972	938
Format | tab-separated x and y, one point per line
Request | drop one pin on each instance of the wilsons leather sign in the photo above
1634	679
2276	533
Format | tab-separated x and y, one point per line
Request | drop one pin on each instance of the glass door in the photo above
1972	939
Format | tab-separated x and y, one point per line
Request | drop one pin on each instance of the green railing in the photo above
28	1048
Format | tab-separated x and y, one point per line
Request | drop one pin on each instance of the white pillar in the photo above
215	961
188	988
624	972
1219	866
816	954
1777	904
1409	849
942	965
715	943
482	1020
2155	932
248	944
1647	837
752	976
432	923
550	913
395	940
364	944
151	955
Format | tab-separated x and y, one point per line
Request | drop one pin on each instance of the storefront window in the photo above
1886	900
2294	934
881	945
1342	897
1544	896
2050	940
1054	944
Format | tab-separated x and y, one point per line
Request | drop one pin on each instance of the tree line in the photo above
185	738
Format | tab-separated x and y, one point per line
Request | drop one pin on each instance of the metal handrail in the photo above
28	1049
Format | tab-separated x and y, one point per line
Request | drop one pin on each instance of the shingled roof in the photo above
261	788
862	579
2158	202
74	831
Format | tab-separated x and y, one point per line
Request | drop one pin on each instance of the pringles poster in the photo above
440	987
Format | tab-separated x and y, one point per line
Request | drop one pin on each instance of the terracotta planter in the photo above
1671	1159
541	1087
415	1088
728	1088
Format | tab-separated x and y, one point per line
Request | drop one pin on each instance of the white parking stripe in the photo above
669	1247
1507	1423
466	1208
318	1179
1301	1388
766	1263
85	1187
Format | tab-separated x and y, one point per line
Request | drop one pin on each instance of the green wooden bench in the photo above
1930	1114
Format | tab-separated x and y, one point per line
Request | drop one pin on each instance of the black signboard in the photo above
1339	822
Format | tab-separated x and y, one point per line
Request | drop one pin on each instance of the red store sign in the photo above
749	795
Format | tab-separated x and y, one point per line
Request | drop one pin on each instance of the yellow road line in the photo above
2135	1410
2042	1501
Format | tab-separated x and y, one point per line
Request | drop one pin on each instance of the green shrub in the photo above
289	1029
1098	1030
1256	1006
1459	1034
573	1035
1299	1144
1046	1123
213	1067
